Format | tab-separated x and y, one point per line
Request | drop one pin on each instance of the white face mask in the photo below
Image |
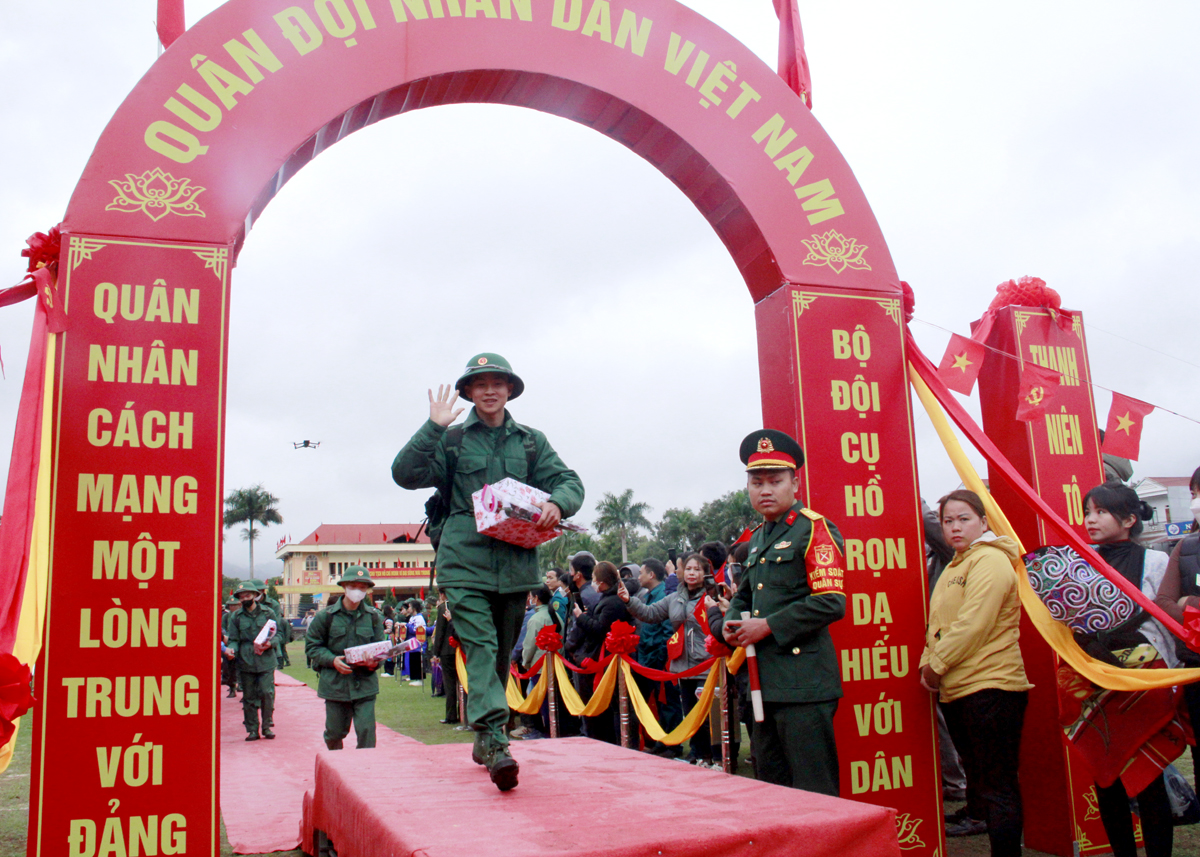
1195	507
356	595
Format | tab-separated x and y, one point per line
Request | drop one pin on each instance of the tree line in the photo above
625	532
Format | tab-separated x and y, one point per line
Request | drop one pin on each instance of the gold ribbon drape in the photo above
28	643
1056	633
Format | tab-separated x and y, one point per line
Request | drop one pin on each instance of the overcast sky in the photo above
992	140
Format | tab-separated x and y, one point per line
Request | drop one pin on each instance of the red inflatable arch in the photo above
249	95
226	116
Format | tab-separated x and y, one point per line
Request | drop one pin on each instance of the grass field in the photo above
413	712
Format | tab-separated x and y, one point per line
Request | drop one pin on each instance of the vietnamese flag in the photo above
961	363
1037	389
1123	434
793	61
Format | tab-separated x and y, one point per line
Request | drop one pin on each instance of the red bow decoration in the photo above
453	641
1027	291
15	694
716	648
909	301
1191	623
548	639
41	278
43	249
622	639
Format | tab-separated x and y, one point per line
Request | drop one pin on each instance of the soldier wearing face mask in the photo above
349	690
256	661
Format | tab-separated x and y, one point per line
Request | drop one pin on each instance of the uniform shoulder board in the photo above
811	515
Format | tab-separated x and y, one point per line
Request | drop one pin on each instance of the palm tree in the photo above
251	505
620	514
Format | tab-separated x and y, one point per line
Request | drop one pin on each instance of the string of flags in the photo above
1037	388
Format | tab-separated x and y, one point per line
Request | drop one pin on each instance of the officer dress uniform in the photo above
794	579
486	580
256	672
347	697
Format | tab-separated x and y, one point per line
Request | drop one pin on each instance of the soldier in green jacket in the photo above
789	595
256	660
485	580
349	690
284	634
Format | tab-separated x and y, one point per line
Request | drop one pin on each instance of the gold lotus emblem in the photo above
837	251
156	194
906	831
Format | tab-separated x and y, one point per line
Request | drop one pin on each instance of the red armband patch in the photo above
824	562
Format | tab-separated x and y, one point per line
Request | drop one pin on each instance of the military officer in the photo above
349	690
485	580
789	595
256	660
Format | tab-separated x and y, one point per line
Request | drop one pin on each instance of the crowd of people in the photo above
777	591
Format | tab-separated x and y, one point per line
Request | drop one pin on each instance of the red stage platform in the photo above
576	797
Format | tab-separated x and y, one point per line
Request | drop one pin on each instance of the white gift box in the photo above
380	651
267	632
508	510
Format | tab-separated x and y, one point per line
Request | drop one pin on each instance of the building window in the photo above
310	563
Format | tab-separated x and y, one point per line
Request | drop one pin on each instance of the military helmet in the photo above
356	574
488	362
247	586
233	602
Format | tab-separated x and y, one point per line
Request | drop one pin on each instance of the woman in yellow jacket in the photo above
973	662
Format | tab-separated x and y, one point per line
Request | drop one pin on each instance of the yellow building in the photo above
399	556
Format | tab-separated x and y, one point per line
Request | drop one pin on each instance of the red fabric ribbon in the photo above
622	639
453	641
533	670
716	648
548	639
15	695
1006	471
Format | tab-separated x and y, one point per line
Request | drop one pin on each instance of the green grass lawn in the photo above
413	712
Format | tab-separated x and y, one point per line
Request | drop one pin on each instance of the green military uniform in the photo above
257	672
284	635
229	668
793	579
347	697
486	580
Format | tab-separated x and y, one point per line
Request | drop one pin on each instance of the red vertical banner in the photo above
125	741
1058	452
832	372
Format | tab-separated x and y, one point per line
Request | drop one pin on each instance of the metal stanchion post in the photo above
552	693
623	702
726	761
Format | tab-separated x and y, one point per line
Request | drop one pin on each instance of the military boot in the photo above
479	750
502	767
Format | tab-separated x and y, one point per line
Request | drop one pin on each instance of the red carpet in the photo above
263	782
576	797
